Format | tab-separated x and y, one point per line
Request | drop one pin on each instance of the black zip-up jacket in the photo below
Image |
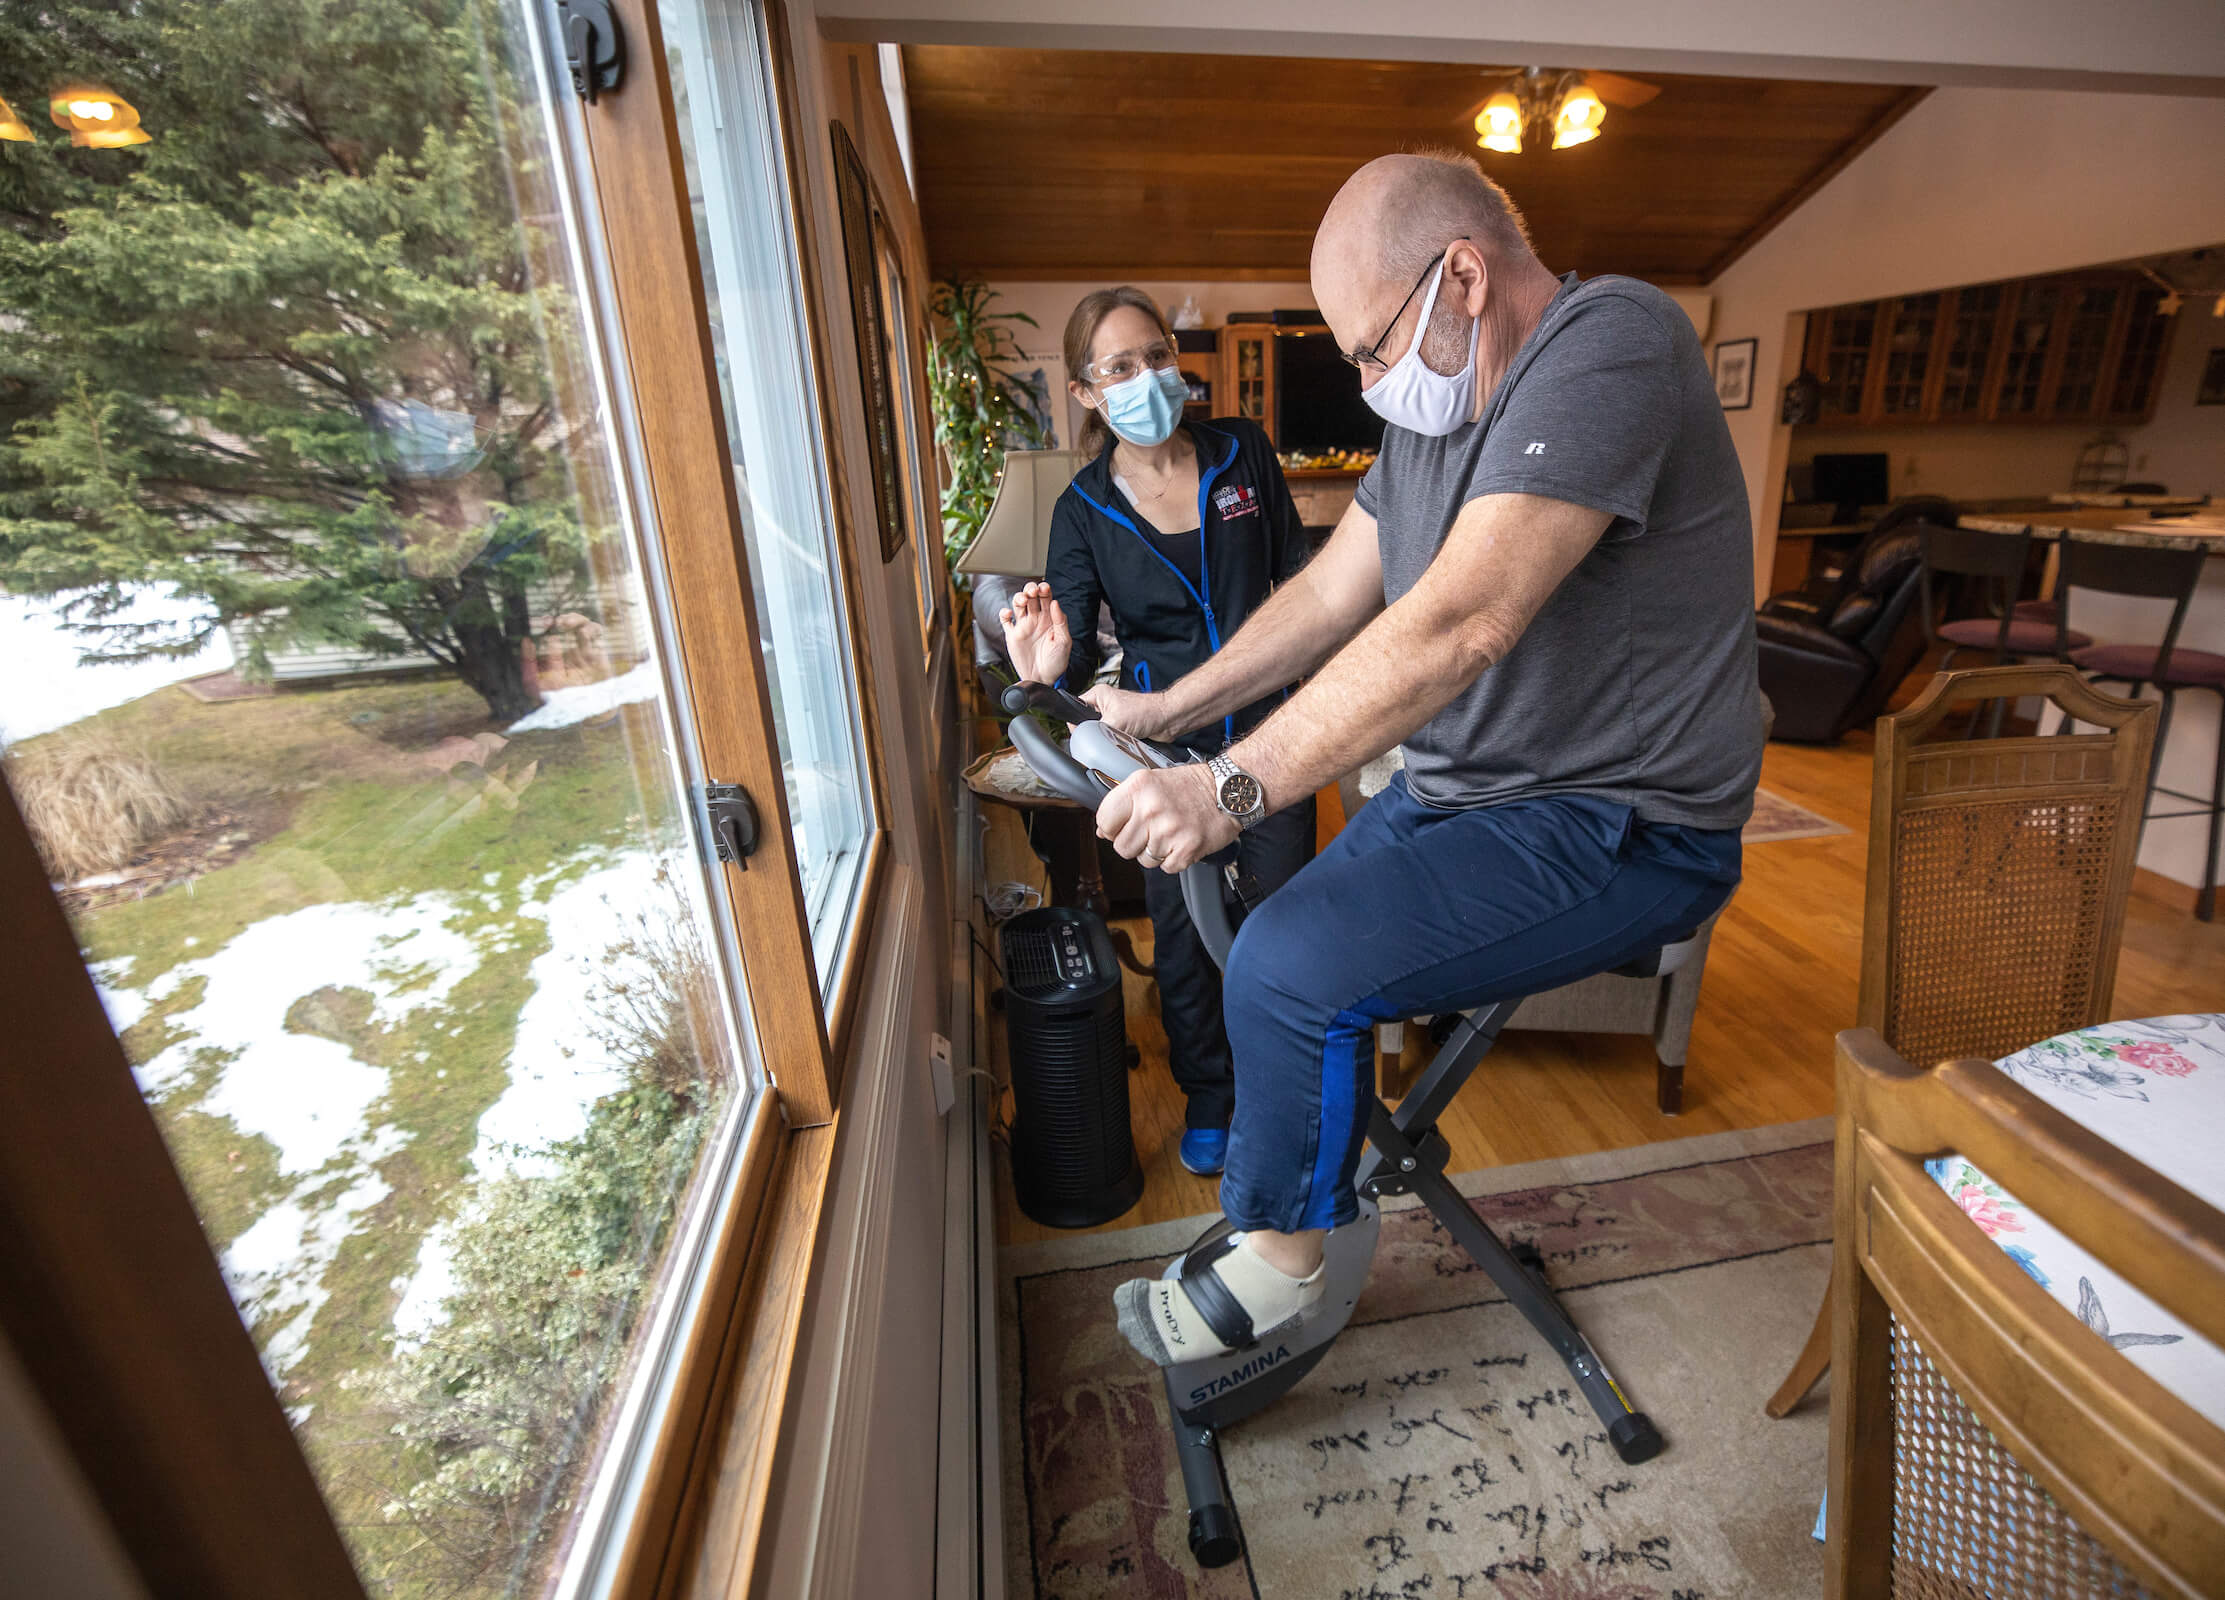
1249	539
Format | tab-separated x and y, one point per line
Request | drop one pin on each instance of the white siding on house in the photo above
620	608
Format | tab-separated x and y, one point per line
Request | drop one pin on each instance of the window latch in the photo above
733	822
594	48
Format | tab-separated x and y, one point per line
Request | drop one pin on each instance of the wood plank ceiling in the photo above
1072	163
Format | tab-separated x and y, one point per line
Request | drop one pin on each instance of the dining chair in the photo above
2168	665
1996	886
1985	1441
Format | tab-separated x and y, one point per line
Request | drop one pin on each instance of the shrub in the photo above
92	803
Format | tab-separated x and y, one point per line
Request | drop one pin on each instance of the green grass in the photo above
360	817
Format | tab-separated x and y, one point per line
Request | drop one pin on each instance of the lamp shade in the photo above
12	126
1015	537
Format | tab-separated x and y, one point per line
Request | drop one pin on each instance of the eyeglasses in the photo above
1125	364
1366	355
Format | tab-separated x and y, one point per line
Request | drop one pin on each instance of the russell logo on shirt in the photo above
1237	500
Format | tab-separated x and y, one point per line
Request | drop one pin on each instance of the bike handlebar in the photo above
1086	786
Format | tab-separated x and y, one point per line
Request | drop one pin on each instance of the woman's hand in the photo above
1035	635
1143	715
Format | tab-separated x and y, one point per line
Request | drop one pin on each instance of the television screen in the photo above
1853	480
1317	398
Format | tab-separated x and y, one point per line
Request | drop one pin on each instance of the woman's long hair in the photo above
1081	329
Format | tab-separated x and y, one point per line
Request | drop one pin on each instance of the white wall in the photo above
1973	185
2185	445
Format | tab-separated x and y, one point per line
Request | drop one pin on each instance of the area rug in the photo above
1777	818
1440	1452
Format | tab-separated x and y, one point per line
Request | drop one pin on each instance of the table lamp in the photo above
1015	537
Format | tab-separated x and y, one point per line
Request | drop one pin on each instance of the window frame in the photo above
118	1310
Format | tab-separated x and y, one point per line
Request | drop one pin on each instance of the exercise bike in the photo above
1405	1155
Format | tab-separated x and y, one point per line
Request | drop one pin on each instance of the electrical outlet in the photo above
938	1067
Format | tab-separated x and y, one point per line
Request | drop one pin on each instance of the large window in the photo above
398	900
719	61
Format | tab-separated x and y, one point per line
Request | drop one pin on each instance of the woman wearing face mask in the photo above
1182	529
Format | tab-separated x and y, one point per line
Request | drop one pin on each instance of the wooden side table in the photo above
1003	776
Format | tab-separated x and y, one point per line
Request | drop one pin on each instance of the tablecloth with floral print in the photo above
2156	1090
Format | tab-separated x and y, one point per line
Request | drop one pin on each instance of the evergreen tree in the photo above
295	356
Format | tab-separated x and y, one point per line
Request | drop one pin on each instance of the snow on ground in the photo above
307	1095
46	688
557	1070
315	1101
427	1287
125	1006
561	708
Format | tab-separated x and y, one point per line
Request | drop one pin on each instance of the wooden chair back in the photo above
1984	1441
1999	868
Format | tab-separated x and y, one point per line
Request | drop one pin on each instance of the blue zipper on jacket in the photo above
1204	572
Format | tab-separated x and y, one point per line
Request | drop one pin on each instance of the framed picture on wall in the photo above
1734	373
861	225
2212	392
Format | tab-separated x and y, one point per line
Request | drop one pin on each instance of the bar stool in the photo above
1997	561
2163	575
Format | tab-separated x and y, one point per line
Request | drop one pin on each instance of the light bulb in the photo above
1499	124
84	108
1577	119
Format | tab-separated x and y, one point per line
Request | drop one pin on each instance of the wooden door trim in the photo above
115	1304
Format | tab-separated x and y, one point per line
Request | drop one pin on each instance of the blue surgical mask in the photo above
1145	409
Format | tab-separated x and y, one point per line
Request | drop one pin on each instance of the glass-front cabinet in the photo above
1845	338
1966	362
2068	348
347	710
1908	361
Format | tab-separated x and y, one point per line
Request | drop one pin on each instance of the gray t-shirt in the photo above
1636	681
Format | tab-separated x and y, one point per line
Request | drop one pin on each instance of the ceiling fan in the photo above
1562	102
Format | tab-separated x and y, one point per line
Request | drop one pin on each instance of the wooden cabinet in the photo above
1971	335
1247	386
1905	356
1840	342
2072	348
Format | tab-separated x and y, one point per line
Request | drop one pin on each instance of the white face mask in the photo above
1416	397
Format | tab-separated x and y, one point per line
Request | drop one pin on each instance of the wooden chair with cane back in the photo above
1984	1441
1997	880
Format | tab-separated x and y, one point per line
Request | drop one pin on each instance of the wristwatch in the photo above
1237	792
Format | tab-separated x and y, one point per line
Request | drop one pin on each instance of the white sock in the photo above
1158	1318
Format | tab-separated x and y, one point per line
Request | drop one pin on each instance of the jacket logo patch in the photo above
1237	500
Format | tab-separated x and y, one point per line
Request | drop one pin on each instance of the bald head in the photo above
1397	212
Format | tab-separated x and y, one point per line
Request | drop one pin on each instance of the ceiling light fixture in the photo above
1556	105
1499	123
1578	117
97	118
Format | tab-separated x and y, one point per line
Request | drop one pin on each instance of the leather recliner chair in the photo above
1831	661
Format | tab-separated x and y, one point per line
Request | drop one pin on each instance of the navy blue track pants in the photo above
1414	910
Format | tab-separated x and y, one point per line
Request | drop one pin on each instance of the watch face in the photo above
1239	794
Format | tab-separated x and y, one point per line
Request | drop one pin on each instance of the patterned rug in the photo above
1439	1452
1777	818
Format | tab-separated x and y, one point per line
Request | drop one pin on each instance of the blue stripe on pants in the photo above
1414	910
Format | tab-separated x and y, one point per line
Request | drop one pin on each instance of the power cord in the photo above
1004	901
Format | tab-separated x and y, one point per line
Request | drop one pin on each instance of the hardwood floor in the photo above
1781	979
